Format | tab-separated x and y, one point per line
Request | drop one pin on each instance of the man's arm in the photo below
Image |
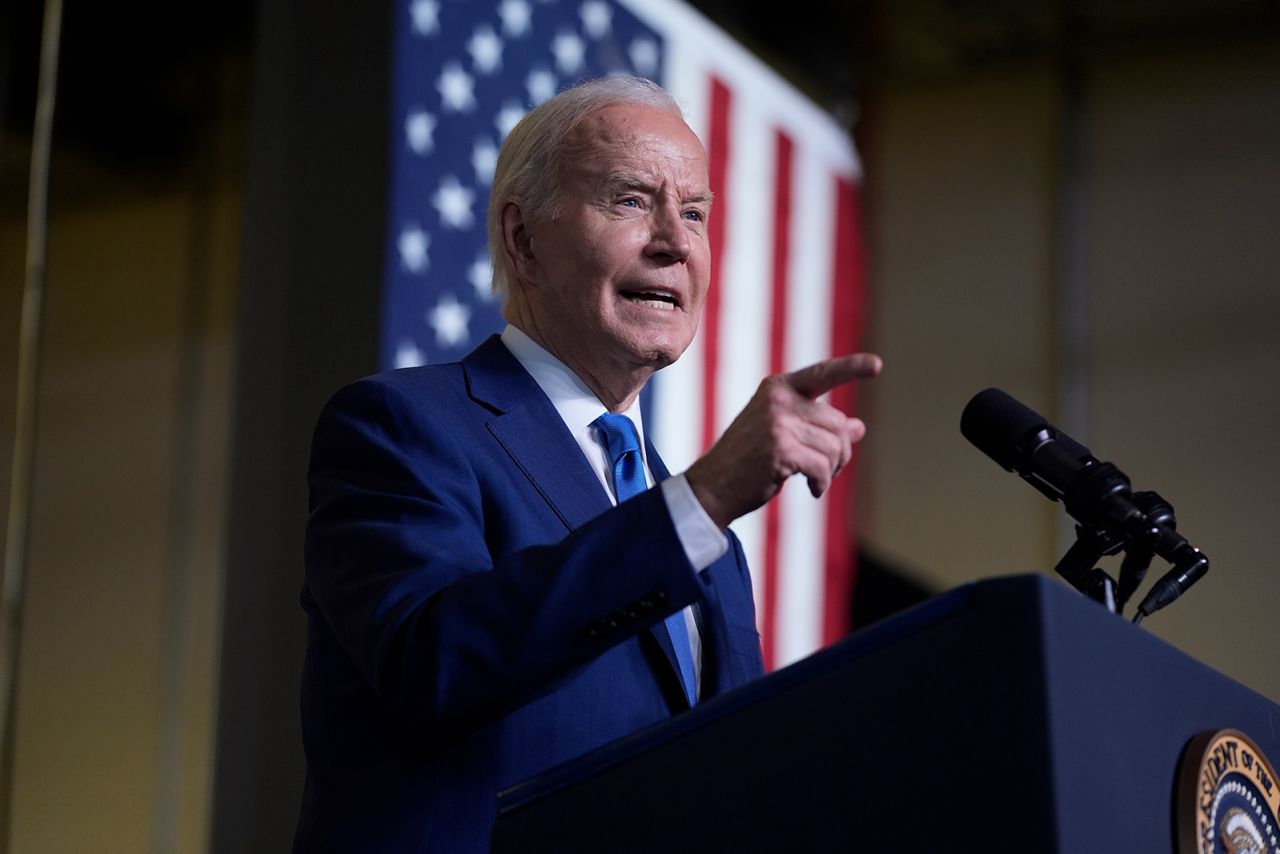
399	568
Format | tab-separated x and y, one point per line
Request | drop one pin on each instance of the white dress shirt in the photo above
703	542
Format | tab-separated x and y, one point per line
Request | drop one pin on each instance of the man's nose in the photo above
668	234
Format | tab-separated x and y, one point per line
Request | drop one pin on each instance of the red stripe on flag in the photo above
717	174
777	361
848	313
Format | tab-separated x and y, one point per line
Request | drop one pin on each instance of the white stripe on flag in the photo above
802	549
744	320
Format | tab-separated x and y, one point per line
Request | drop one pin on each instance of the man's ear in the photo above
517	243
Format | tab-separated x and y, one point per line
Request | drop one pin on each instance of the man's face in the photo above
621	265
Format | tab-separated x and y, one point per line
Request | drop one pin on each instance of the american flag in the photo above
787	260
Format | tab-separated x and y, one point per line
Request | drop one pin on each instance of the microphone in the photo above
1096	494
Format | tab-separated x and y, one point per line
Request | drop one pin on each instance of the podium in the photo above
1007	715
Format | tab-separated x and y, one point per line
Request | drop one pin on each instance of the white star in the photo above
569	51
484	158
541	84
644	56
486	50
418	128
426	17
508	117
453	201
408	355
413	246
449	319
480	274
454	86
596	18
515	16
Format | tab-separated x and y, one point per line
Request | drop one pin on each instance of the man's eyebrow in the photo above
615	181
702	197
627	181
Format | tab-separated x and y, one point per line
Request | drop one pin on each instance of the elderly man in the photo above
492	586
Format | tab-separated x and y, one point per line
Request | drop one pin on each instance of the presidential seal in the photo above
1228	799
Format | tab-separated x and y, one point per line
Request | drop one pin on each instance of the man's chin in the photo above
650	360
650	349
663	362
658	355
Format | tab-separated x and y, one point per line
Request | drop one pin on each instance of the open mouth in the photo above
653	299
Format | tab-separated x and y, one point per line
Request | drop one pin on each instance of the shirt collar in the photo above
577	404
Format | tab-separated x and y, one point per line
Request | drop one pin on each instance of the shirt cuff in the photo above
703	542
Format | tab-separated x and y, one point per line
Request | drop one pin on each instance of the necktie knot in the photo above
619	434
623	445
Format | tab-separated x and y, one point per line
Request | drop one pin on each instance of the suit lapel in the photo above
658	631
531	431
711	624
528	427
714	629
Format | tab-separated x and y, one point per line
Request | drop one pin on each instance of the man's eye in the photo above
630	202
694	216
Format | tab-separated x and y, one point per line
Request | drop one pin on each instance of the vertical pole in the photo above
18	523
1071	298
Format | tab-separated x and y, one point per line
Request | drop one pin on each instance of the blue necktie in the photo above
628	481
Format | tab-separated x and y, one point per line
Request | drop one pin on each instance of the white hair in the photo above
528	167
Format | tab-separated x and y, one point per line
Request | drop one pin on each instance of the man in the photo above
491	587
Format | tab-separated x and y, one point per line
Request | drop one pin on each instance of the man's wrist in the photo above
706	497
702	539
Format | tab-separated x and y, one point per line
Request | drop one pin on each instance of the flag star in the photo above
426	17
484	158
449	319
541	84
413	245
408	355
515	16
418	128
455	87
569	51
596	18
644	56
480	274
486	50
453	201
508	117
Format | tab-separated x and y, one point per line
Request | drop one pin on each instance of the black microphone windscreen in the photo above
999	426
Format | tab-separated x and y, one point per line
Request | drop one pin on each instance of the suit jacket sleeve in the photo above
399	566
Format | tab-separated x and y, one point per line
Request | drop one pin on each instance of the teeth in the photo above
653	299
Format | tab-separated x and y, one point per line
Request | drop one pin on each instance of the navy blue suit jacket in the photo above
478	610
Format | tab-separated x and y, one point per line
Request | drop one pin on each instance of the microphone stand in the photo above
1140	536
1078	566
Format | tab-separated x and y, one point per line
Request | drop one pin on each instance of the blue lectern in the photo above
1008	715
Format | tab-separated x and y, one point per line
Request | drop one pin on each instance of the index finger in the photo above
819	378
